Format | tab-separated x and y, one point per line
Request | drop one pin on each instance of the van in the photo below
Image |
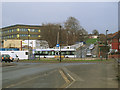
14	56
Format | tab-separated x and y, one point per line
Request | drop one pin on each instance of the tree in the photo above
75	32
49	33
72	24
95	32
102	38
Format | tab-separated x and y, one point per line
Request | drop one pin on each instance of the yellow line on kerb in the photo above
64	76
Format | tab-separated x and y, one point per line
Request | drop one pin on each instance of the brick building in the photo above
116	42
115	45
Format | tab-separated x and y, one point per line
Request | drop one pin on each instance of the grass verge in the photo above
63	60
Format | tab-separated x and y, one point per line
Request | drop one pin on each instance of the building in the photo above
22	32
116	42
115	45
93	36
11	43
35	44
18	36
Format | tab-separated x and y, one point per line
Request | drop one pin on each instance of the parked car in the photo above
94	56
6	58
91	46
88	53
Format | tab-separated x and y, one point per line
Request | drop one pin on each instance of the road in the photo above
59	75
82	52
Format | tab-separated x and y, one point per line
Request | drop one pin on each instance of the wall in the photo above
12	44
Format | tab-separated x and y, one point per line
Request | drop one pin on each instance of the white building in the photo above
35	44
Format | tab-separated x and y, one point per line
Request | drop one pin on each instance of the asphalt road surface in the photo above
59	75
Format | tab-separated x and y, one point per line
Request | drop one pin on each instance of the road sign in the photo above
57	45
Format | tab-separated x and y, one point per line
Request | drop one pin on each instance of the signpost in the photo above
57	45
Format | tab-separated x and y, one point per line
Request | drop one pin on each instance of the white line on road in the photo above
64	76
71	82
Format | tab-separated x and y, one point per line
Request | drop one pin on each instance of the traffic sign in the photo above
57	45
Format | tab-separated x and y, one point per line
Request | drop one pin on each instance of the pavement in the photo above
60	75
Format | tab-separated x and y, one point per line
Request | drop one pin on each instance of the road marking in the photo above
71	77
71	82
64	76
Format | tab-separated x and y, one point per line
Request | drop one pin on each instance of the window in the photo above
26	53
10	30
14	30
32	30
33	35
23	35
36	30
23	29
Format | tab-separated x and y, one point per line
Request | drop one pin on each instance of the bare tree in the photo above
102	38
49	33
75	32
72	24
95	32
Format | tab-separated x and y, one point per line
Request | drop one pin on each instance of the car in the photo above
94	56
91	46
6	58
88	54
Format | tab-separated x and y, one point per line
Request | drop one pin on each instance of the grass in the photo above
91	40
63	60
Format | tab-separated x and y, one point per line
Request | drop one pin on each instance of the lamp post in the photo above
60	41
28	44
81	47
81	51
106	45
118	43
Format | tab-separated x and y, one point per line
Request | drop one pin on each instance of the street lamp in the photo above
106	45
60	41
118	43
28	43
81	46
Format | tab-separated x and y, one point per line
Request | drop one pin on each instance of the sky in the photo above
91	15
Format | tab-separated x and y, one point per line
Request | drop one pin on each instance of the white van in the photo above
14	56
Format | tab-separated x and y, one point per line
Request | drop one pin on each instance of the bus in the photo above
54	53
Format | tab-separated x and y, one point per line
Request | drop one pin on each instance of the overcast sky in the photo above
92	15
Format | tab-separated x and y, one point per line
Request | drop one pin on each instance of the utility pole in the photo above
118	42
81	51
106	46
60	41
28	44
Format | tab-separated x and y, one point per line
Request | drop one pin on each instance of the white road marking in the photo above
64	76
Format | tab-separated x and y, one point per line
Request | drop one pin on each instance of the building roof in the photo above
116	35
22	25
